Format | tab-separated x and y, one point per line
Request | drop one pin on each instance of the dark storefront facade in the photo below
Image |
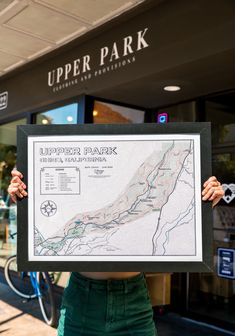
116	74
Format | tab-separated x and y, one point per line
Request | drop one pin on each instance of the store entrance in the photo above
211	296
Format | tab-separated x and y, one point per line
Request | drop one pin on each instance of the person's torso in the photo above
109	275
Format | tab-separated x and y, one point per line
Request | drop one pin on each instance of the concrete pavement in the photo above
19	317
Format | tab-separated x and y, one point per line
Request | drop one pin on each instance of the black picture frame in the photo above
203	129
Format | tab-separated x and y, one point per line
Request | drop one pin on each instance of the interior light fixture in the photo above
95	113
69	118
172	88
44	121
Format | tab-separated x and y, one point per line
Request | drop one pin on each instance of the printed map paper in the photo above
115	197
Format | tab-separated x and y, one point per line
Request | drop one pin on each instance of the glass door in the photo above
212	295
8	209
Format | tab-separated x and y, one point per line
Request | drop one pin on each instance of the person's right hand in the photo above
17	186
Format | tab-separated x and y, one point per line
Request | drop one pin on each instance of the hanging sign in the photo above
229	192
3	100
226	263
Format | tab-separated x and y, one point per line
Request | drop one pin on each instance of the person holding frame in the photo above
108	303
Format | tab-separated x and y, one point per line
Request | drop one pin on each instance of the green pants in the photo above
106	308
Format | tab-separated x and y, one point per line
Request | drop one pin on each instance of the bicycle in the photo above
31	285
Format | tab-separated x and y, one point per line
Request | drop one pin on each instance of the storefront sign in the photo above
226	263
3	100
107	58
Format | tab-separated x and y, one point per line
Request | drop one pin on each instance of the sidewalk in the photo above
19	317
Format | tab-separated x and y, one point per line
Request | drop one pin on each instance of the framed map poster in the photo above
115	197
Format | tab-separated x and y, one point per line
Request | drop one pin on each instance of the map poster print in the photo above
115	197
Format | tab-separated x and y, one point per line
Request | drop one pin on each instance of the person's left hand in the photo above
212	191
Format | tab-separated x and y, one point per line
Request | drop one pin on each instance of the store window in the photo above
105	113
67	114
8	209
184	112
222	117
212	295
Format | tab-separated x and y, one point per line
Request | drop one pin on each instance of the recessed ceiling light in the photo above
172	88
44	121
69	118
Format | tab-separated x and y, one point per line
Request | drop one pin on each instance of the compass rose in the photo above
48	208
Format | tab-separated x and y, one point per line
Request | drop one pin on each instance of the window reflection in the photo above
223	122
104	113
181	112
224	166
8	209
62	115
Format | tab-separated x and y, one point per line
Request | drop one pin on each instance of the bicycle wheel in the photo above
18	281
46	299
